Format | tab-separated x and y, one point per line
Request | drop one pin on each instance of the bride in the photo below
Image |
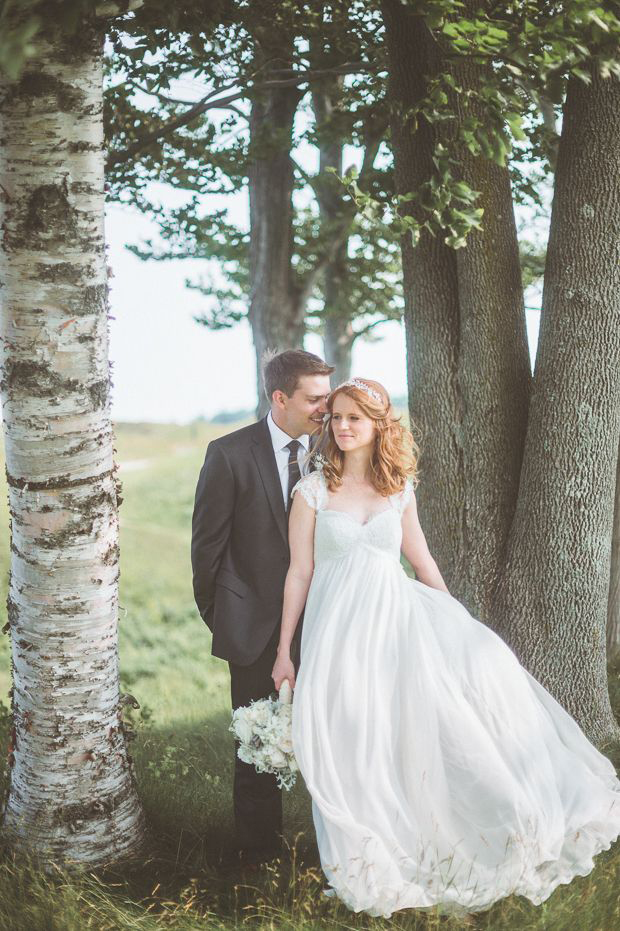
440	771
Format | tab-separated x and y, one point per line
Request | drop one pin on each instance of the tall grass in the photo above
183	756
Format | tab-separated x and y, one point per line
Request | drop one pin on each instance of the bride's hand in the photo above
283	669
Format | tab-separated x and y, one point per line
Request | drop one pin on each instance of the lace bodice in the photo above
338	533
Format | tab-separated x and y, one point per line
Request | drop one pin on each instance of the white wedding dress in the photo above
440	770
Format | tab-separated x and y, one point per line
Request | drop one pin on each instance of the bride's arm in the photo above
415	548
298	578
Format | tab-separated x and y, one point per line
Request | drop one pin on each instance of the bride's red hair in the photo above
395	454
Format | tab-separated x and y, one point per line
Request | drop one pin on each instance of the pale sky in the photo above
168	368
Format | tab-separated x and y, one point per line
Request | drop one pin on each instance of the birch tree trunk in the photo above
613	601
553	597
276	311
468	359
72	796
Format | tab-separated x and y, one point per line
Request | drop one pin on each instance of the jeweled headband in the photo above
356	383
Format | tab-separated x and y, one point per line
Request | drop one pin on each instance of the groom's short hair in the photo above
282	370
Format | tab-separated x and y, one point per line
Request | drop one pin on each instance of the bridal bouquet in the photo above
263	729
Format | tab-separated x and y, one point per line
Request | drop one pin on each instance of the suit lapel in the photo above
268	470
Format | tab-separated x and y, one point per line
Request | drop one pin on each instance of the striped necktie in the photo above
294	472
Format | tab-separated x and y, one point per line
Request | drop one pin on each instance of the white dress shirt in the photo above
280	439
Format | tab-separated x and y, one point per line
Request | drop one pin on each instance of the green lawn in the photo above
184	754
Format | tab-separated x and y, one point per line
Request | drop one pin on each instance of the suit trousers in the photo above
257	800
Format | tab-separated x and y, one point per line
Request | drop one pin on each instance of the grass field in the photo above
184	755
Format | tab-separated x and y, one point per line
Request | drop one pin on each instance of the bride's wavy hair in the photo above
395	454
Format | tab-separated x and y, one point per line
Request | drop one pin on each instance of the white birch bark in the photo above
72	796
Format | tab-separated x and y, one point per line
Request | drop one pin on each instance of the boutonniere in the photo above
319	462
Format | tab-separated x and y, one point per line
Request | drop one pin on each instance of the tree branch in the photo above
113	8
371	149
307	285
309	179
124	155
371	326
207	103
349	67
187	103
341	232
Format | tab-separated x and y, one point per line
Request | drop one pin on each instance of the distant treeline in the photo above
236	416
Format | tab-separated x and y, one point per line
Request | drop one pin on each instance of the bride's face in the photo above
352	428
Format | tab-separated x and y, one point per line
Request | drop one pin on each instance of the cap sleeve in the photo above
402	498
312	488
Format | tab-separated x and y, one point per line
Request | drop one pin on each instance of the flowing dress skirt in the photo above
440	770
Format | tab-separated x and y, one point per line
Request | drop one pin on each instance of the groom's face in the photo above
304	411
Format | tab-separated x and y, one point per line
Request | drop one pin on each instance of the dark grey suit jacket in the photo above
240	553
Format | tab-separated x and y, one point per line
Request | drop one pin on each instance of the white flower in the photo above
245	754
260	713
242	729
264	732
276	757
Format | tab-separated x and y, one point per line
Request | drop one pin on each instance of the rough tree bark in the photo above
552	600
468	361
276	310
72	796
613	600
338	334
431	309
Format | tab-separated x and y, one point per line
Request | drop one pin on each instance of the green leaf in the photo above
450	29
434	18
455	241
514	120
463	191
595	18
582	75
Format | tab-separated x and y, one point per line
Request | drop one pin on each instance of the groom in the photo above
240	558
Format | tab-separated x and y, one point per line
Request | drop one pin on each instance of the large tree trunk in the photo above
431	309
276	310
338	335
467	350
72	795
613	600
494	367
552	600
